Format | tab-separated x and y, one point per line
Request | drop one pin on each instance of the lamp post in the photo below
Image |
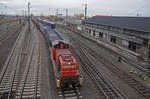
29	16
66	16
85	4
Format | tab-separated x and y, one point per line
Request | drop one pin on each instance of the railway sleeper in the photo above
4	95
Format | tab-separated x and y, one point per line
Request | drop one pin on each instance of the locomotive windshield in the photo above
65	46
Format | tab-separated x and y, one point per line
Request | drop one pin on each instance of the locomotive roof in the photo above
66	55
63	52
59	41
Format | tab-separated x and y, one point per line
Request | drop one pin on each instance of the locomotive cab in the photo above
59	44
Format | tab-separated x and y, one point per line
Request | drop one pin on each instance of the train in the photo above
48	30
48	23
64	63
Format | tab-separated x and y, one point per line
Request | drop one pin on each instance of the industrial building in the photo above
132	33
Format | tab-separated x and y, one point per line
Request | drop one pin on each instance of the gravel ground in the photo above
48	87
6	47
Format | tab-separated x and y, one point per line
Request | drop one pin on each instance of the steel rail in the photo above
101	83
140	88
27	70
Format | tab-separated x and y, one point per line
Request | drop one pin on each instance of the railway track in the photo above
4	28
20	77
108	89
140	88
10	66
135	64
7	38
29	87
7	41
73	93
29	84
8	34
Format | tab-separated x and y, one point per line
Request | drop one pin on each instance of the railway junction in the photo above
27	65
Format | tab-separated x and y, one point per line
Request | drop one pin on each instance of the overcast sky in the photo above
95	7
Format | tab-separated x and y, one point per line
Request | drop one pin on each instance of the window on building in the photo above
113	39
93	33
132	46
86	30
90	31
100	35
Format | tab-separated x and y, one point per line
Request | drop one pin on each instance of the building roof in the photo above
132	23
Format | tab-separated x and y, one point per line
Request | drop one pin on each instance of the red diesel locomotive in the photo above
65	65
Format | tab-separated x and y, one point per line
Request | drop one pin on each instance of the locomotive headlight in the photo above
58	83
68	66
81	80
